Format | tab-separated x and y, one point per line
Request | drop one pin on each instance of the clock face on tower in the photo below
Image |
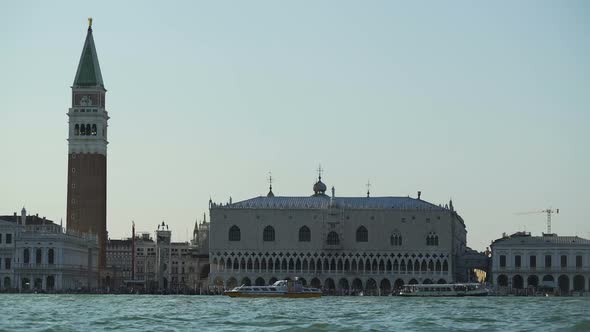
85	101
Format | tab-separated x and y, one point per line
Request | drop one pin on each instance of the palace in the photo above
373	244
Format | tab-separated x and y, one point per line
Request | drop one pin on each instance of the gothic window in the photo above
93	130
88	130
268	235
82	130
304	234
26	256
333	239
362	235
396	239
234	233
432	239
77	129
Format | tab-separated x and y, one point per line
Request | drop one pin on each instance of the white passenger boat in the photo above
472	289
281	288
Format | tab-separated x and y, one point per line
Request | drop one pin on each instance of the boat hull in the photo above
443	295
277	295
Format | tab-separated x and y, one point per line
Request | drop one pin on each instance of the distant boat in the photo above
281	288
434	290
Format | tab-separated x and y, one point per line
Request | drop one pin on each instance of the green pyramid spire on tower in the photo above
88	73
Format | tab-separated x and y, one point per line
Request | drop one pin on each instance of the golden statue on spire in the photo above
90	22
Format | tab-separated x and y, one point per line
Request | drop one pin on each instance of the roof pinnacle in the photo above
90	23
270	193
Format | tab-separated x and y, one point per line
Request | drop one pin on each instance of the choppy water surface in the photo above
216	313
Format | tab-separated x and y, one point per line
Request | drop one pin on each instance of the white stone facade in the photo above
45	258
341	244
93	137
521	261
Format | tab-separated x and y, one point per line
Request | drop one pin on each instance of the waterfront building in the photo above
37	254
342	244
160	264
119	262
145	260
550	261
87	150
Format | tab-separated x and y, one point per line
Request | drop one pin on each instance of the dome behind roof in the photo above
319	188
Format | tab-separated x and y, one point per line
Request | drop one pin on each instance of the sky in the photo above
486	103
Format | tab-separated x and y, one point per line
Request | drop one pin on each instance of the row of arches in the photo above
37	283
362	235
370	286
38	256
85	130
340	265
563	282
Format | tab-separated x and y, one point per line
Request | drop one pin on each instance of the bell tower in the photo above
87	150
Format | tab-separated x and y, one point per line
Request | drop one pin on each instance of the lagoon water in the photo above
35	312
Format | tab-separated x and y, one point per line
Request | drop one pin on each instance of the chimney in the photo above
419	194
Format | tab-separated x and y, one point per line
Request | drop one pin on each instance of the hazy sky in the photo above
484	102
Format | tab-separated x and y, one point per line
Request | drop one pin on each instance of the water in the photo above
32	312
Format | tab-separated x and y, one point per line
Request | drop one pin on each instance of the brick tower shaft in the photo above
87	150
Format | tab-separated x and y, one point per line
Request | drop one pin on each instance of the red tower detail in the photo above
87	145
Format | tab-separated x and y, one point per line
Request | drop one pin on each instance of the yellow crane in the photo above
548	211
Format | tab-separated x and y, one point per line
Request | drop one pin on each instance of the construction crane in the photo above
548	211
